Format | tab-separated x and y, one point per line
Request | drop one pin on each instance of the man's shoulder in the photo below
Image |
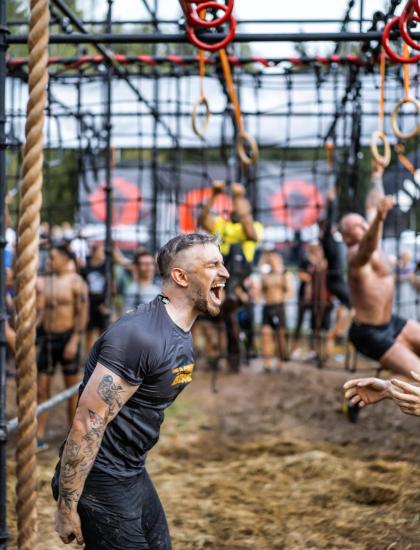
136	329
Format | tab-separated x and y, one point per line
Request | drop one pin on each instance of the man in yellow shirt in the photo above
240	229
239	238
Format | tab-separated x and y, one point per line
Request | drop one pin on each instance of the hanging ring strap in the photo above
201	101
244	138
406	99
379	135
329	147
400	150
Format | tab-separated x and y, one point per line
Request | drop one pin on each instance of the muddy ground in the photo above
270	462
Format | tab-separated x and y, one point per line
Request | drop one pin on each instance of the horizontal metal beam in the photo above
47	405
162	38
98	23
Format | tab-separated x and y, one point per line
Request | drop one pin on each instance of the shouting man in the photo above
135	370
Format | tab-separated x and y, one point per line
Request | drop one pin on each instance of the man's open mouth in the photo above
217	293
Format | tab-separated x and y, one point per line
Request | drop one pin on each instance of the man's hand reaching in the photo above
384	206
366	391
238	190
219	188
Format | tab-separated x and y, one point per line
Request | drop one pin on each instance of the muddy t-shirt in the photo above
145	348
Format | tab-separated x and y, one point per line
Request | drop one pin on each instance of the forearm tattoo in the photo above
110	394
79	455
78	458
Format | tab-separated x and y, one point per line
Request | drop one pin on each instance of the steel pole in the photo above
3	315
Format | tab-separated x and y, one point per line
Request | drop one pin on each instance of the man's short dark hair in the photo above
169	251
64	250
143	254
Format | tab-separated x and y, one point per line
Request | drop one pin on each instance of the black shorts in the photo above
121	514
51	353
375	340
274	315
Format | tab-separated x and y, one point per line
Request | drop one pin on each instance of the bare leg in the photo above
410	336
71	380
267	346
44	391
281	344
400	360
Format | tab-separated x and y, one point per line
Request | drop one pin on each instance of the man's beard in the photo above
201	304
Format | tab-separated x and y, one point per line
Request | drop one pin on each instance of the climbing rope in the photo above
379	134
26	272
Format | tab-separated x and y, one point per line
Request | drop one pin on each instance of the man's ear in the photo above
180	277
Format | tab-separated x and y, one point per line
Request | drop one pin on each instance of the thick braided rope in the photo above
26	271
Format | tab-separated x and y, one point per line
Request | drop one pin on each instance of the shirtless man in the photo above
276	288
63	314
375	331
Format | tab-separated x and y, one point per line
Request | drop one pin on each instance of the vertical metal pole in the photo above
361	15
109	167
155	176
3	431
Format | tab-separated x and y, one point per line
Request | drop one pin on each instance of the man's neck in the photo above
144	281
180	309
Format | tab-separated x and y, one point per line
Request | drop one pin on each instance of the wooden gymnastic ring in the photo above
200	132
240	148
384	159
394	119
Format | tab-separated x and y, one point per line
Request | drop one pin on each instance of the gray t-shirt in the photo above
145	348
137	294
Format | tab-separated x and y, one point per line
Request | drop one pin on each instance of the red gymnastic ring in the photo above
387	47
218	45
404	29
195	19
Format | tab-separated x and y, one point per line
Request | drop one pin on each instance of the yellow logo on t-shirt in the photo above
183	375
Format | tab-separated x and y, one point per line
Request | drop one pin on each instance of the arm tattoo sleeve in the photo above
78	458
110	393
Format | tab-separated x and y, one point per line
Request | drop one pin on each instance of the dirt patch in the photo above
269	462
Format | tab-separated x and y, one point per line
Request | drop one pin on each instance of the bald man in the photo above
376	331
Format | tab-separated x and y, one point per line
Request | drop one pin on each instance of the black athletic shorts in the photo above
121	514
274	315
375	340
51	353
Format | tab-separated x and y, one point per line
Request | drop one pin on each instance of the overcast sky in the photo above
253	9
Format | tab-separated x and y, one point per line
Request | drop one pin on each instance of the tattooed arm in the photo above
102	399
